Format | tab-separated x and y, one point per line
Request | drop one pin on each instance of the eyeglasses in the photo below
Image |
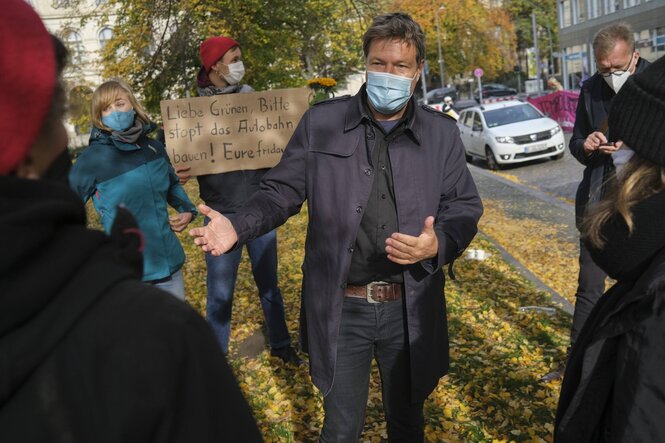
618	72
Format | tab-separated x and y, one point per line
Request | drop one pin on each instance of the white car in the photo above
509	132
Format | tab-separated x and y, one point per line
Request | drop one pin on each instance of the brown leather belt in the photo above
375	292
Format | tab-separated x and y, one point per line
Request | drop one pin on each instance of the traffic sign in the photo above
478	72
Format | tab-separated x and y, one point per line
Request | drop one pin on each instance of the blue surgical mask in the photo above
119	120
388	93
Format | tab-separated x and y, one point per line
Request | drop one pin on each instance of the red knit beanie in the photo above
27	63
214	48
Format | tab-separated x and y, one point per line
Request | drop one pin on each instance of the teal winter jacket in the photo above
140	177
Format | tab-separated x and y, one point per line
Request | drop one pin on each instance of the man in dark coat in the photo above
390	201
88	353
613	389
616	59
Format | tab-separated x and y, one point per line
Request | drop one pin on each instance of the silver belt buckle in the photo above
369	290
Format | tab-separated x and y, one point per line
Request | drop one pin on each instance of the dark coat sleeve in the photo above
583	127
639	390
282	190
460	206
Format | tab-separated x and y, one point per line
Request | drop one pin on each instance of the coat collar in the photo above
358	111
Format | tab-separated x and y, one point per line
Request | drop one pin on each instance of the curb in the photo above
557	299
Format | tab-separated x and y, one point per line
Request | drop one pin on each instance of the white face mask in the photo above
620	158
616	81
236	73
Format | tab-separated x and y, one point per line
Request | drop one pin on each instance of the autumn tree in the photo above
472	35
155	42
546	22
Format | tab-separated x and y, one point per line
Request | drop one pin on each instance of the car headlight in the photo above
505	139
555	130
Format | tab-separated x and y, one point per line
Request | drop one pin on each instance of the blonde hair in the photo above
106	94
639	180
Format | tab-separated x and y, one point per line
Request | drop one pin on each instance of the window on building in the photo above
104	36
659	39
580	11
74	42
576	62
594	8
611	6
630	3
57	4
565	13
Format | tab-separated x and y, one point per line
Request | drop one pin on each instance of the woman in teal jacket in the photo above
123	166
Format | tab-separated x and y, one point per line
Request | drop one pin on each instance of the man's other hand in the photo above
218	236
407	249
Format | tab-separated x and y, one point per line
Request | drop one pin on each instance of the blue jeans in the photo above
372	330
175	286
221	280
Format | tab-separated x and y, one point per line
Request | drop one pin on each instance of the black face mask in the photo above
59	169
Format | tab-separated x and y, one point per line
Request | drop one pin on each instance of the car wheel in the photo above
492	164
557	157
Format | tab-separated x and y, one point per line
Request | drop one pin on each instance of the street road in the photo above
555	177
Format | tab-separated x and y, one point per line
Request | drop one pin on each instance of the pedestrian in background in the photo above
613	389
221	73
616	59
89	353
123	166
390	202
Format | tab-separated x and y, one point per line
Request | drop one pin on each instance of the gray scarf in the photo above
131	134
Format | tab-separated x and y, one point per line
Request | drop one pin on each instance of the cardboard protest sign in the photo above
231	132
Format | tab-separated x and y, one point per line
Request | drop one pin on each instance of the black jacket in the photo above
592	111
326	163
227	191
88	353
614	388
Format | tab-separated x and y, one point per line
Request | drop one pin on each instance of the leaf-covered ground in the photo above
498	352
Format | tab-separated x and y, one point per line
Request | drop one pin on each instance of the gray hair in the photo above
397	25
607	37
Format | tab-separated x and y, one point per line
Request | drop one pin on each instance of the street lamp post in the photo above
438	40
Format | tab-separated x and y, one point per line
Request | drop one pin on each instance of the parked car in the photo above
461	105
494	90
509	132
437	95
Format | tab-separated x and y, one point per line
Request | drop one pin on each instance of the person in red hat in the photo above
87	351
221	73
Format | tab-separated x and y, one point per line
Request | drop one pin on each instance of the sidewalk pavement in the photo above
520	202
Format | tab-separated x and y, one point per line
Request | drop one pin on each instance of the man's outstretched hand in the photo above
218	236
407	249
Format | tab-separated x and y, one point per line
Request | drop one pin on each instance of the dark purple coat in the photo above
326	163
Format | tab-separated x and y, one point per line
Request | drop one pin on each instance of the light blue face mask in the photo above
119	120
388	93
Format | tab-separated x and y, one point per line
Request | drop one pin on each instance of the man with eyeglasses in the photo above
593	146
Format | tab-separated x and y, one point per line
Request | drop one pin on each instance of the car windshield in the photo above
512	114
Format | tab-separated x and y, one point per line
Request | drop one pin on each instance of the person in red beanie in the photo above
88	352
221	73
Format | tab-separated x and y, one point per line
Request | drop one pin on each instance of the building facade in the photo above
579	20
78	24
